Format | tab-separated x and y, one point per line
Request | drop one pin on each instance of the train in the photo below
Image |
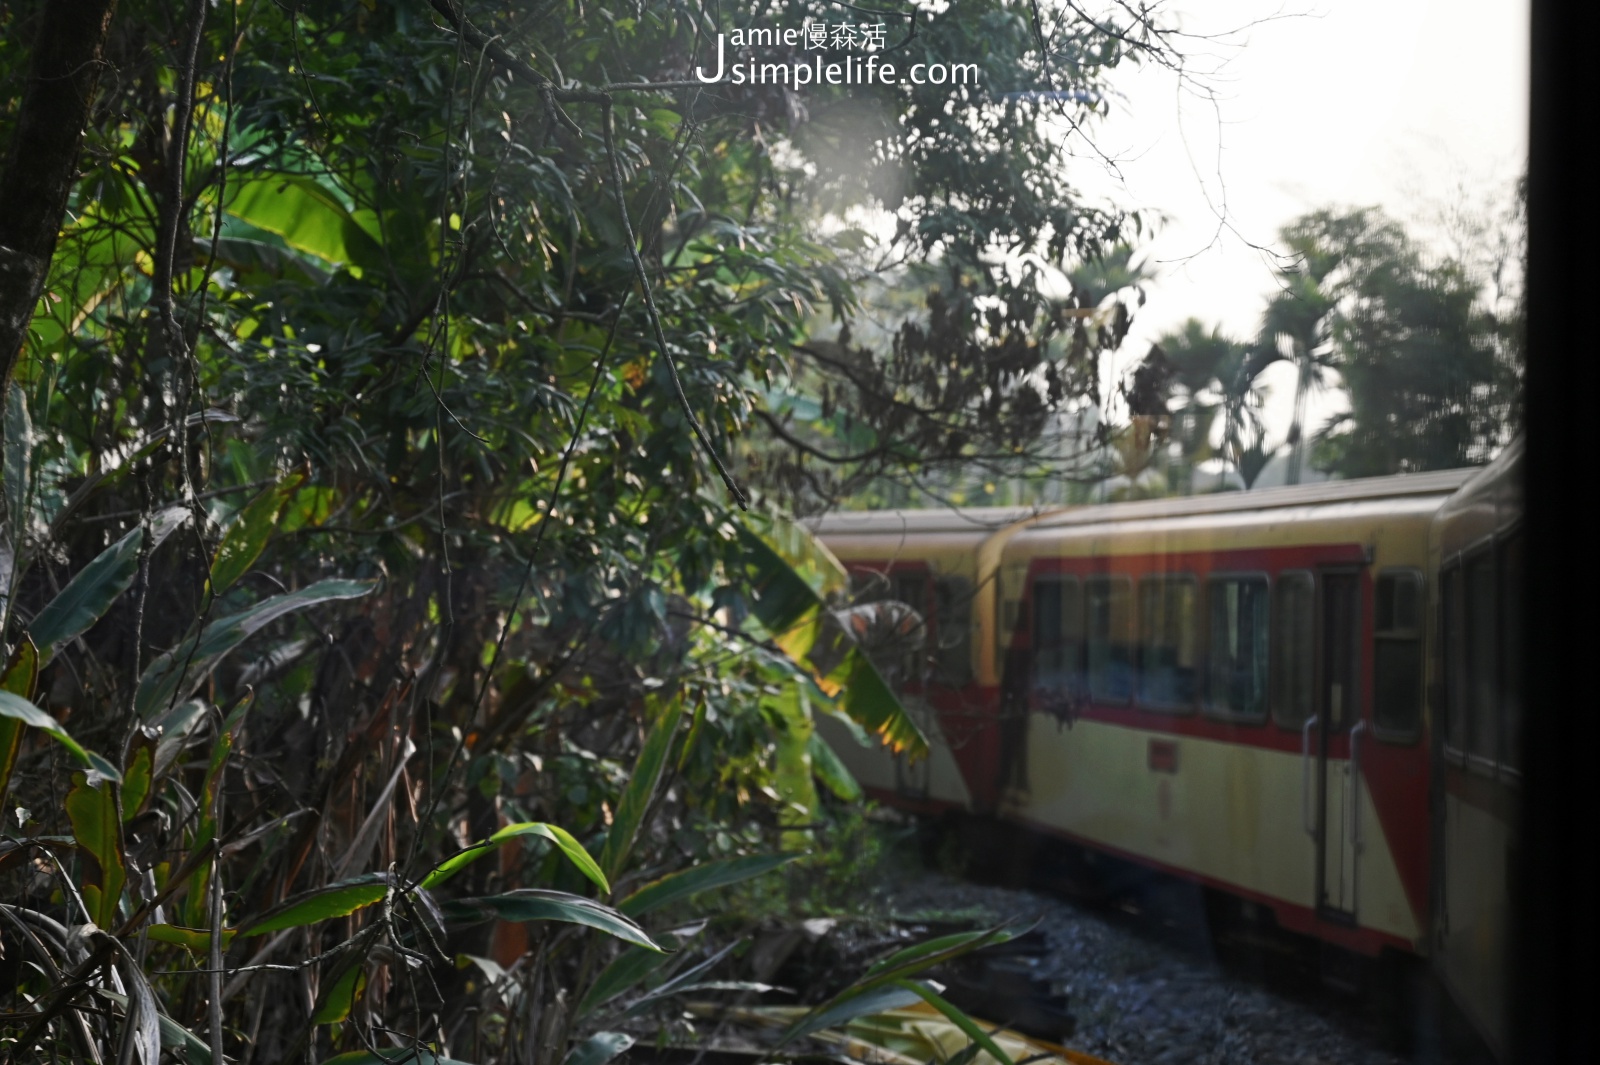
1302	700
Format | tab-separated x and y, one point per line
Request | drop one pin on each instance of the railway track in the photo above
1153	970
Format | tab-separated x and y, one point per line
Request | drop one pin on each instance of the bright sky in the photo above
1394	103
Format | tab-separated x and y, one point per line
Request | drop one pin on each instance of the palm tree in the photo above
1213	374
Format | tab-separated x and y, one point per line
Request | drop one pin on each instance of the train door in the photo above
1338	722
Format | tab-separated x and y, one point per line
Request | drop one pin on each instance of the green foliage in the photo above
92	810
802	625
247	535
704	877
382	528
537	904
177	673
19	680
554	833
1432	377
15	708
887	983
641	787
88	595
320	904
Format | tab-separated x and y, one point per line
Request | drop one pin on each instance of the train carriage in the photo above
928	559
1227	687
1304	699
1231	690
1476	548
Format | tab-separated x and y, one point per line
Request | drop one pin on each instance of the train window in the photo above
910	588
1293	644
1110	638
1483	732
1397	654
1453	624
868	585
1511	634
1237	637
1169	653
953	608
1057	635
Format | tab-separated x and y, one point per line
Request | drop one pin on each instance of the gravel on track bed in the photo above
1141	998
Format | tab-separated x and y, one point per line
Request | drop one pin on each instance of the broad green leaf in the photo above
554	833
175	726
322	904
792	776
93	590
197	903
307	216
537	904
19	709
136	778
21	675
88	595
896	969
679	983
625	971
944	947
98	830
633	965
641	788
247	535
789	575
177	673
20	678
93	257
958	1017
195	939
806	557
845	1009
599	1048
341	997
18	463
869	700
831	771
696	725
785	604
703	877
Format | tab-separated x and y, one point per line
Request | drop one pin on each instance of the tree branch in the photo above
42	160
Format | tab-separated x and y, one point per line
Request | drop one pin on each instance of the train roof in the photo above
980	521
1437	483
1490	502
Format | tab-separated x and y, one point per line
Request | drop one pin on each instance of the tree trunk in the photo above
42	159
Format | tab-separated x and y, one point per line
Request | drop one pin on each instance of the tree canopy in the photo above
397	397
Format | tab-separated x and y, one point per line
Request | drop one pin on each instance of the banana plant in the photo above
797	588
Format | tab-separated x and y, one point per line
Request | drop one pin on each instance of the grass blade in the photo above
698	878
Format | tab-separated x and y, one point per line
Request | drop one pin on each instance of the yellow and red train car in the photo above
1476	549
1233	689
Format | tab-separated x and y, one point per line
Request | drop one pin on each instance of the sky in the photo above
1394	103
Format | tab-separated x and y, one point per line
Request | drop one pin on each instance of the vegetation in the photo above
398	626
1425	345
